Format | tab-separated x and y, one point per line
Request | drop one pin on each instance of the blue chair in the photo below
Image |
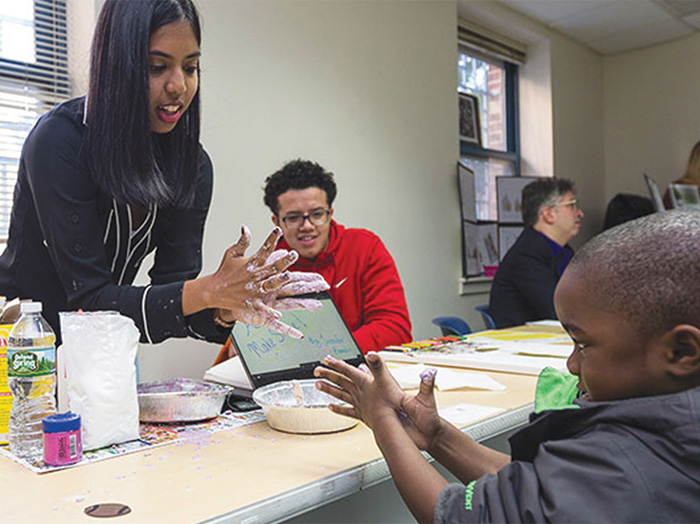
452	326
488	320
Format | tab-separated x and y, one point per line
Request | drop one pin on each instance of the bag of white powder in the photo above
99	371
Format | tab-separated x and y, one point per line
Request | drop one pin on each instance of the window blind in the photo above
33	78
486	41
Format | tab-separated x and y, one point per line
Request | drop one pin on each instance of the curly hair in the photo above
646	270
298	174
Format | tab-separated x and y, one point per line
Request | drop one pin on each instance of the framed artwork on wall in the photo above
467	193
487	245
509	191
480	247
469	125
470	255
507	235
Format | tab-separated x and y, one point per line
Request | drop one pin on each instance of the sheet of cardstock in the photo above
463	414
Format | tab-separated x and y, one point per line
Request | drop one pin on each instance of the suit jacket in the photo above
523	288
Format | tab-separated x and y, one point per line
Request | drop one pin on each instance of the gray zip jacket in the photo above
635	460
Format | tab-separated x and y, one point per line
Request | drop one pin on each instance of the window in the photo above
494	83
33	78
487	68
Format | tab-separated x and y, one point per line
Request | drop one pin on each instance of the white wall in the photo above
577	100
368	89
536	130
81	16
652	112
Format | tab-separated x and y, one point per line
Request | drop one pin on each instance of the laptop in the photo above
684	196
269	356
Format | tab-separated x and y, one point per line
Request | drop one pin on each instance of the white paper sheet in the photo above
463	414
229	372
544	350
551	323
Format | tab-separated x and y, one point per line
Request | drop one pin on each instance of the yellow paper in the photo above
514	335
5	395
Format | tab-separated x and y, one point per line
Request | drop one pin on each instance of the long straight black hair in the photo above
126	159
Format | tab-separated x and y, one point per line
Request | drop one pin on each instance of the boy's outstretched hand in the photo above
421	420
401	424
373	393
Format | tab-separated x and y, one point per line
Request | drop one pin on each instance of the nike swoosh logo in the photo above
340	283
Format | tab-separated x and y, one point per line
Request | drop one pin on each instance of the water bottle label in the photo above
34	362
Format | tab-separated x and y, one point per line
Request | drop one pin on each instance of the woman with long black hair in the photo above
106	179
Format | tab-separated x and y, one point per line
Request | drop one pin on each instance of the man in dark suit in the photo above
523	288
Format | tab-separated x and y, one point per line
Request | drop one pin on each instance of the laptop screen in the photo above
269	356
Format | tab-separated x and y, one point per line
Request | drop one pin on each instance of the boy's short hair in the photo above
298	174
647	270
542	193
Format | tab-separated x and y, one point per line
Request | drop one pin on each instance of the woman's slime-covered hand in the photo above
254	290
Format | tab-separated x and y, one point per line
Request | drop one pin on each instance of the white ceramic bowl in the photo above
300	409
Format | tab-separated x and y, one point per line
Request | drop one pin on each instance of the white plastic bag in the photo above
98	354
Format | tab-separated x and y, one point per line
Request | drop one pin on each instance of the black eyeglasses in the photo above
317	218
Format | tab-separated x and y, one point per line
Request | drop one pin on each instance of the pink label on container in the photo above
64	448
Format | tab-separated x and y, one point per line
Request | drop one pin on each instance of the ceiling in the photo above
614	26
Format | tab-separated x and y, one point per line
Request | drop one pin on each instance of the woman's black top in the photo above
72	246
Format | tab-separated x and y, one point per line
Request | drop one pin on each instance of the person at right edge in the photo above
523	287
690	177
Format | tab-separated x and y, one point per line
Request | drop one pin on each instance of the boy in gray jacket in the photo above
628	450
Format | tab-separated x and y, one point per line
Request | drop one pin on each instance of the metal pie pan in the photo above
180	400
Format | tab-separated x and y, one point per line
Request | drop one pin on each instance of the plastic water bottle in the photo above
31	377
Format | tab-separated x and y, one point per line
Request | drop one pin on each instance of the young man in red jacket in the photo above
362	275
